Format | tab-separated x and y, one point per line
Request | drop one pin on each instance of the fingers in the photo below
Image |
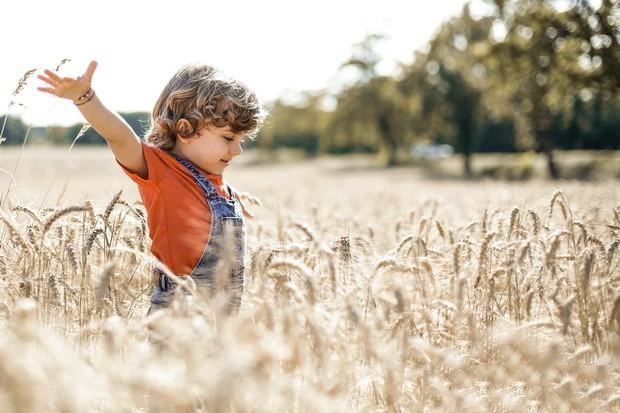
58	82
46	89
55	82
90	70
48	80
52	75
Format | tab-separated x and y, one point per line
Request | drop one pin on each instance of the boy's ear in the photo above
184	130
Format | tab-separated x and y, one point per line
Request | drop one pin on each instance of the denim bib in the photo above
223	255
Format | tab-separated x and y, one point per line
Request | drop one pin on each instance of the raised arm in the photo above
123	142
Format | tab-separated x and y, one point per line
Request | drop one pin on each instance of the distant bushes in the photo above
15	131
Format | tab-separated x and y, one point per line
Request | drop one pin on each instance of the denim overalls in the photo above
227	239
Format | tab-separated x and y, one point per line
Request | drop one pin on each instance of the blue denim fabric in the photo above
227	231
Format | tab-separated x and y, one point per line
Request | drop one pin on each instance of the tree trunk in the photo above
467	165
388	138
466	129
392	158
545	147
552	167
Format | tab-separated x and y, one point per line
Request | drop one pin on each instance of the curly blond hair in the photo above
204	97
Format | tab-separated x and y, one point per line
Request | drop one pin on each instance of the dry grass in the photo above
366	290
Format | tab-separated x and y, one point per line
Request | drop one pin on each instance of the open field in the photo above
366	290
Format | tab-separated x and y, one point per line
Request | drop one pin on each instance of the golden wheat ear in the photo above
242	197
246	212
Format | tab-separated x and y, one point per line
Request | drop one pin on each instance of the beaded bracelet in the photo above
85	98
84	95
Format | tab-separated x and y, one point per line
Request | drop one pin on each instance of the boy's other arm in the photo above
124	143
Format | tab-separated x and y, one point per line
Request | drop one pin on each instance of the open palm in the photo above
67	87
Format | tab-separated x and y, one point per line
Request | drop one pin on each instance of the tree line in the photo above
16	131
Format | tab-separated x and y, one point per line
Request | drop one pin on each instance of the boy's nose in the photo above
236	149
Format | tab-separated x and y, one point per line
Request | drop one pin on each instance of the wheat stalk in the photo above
59	214
14	232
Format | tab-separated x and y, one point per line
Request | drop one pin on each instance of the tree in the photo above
14	130
546	58
295	125
447	82
373	108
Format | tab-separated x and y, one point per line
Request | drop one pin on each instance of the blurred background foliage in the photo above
532	76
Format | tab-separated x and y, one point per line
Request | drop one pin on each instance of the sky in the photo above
277	48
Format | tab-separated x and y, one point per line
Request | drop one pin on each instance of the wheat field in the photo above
366	290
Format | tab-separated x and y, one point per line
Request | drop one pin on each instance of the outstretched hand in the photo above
68	87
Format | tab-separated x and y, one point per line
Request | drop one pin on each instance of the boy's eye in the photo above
228	138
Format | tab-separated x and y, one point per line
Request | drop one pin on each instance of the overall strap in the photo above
202	180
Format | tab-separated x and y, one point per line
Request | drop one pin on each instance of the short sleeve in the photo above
154	166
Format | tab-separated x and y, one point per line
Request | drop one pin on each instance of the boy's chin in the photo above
216	169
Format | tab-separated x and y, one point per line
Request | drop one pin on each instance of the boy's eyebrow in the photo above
240	136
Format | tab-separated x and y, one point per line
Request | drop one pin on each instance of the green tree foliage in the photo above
448	82
373	110
297	126
545	61
369	116
590	124
138	121
14	130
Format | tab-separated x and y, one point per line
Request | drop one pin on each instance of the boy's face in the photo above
211	149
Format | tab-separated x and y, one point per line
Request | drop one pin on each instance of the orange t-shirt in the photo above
179	217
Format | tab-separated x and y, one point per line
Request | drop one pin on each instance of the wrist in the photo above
86	97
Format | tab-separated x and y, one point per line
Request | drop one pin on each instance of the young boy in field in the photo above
198	125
